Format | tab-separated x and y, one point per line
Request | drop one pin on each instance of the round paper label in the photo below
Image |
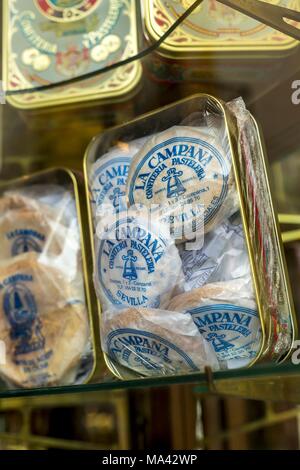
130	264
181	170
148	352
232	330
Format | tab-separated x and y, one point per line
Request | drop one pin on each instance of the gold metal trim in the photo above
291	236
282	260
289	219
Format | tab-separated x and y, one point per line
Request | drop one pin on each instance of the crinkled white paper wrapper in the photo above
155	342
223	257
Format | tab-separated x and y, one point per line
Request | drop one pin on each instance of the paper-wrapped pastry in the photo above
187	172
43	323
24	231
226	315
108	177
154	342
223	256
137	263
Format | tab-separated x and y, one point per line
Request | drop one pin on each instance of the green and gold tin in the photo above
49	41
263	240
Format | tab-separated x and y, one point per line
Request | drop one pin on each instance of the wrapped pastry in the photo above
187	173
14	200
226	315
54	201
43	324
137	262
108	177
154	342
23	231
223	257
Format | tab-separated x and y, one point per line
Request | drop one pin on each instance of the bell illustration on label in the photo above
130	272
175	186
25	244
219	343
116	198
21	312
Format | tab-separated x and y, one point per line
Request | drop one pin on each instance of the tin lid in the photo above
49	41
214	27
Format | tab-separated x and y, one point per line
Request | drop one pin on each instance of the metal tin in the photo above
257	241
228	42
214	27
48	41
74	181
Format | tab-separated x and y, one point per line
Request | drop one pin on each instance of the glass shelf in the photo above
41	139
260	382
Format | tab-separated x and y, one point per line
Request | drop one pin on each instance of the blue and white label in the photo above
109	183
232	330
147	352
21	312
28	350
131	264
25	241
181	170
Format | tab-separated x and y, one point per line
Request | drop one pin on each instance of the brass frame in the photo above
25	406
290	235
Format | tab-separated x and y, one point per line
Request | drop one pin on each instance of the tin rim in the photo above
267	321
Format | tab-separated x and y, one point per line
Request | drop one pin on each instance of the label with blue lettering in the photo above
136	266
147	352
232	330
21	312
185	169
25	241
28	349
109	180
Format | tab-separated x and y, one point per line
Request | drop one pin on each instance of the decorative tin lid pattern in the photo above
213	27
49	41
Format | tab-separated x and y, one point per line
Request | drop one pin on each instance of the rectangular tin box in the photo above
228	43
49	41
75	183
274	300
